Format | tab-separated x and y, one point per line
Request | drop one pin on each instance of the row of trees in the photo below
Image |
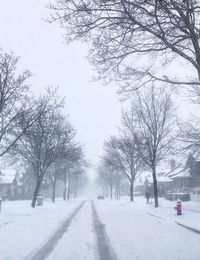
145	138
35	131
138	43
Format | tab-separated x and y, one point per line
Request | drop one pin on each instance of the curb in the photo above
189	228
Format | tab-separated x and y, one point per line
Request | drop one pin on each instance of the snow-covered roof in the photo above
147	175
182	173
164	174
8	176
7	179
160	179
176	170
10	172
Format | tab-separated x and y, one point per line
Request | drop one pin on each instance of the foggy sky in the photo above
93	108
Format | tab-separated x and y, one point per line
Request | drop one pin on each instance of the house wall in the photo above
182	184
15	192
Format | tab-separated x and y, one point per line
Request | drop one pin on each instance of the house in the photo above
186	177
164	183
181	177
11	187
145	181
8	184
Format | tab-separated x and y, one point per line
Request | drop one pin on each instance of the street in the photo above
99	230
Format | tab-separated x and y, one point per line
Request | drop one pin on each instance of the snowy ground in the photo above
134	234
131	230
79	242
23	230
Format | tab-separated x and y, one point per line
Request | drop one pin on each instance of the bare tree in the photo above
121	32
13	102
78	179
110	176
54	173
122	153
106	173
189	136
46	140
102	179
150	121
74	157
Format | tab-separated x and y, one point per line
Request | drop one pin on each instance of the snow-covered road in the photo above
79	242
51	244
101	230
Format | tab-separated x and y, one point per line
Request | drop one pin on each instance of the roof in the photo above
182	173
147	175
176	170
179	171
160	179
7	179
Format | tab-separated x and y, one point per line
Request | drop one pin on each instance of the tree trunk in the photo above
106	190
155	187
116	192
131	191
54	190
69	184
65	187
111	191
118	189
35	194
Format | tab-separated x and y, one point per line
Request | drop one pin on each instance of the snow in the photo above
7	179
147	175
135	230
160	179
80	239
23	229
140	231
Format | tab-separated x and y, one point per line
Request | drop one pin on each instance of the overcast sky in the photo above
93	108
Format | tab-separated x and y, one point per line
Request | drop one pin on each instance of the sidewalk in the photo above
166	211
140	231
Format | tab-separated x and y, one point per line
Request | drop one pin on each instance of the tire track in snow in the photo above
79	242
49	246
106	252
155	216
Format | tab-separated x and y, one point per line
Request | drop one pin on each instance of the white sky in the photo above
93	108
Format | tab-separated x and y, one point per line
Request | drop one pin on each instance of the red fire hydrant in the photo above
178	207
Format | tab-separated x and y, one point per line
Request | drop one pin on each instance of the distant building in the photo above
181	177
11	187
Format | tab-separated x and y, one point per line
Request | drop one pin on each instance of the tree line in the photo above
145	138
140	45
34	131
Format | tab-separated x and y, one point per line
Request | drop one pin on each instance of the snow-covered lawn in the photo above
136	233
23	230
